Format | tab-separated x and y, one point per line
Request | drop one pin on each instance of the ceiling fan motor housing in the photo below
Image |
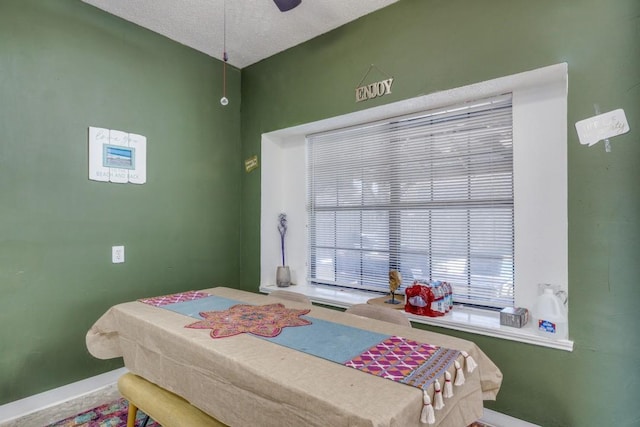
285	5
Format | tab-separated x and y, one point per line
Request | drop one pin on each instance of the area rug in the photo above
113	414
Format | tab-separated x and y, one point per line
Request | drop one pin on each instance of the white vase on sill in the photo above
283	276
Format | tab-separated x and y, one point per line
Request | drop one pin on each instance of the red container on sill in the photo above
431	299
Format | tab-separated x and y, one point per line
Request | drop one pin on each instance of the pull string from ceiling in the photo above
283	5
225	57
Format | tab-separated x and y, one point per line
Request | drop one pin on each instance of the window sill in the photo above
472	320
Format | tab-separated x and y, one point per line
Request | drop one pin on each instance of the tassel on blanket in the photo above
459	374
448	387
439	402
468	360
427	416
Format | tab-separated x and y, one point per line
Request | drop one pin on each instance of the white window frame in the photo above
540	195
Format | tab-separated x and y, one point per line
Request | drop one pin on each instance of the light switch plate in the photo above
117	254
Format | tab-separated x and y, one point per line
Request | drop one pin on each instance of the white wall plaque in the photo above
111	153
138	175
98	137
602	126
116	156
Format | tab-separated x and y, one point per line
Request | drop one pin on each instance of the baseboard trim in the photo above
498	419
43	408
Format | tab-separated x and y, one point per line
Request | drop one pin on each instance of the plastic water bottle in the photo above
550	316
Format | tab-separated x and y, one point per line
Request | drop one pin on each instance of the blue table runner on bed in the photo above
329	340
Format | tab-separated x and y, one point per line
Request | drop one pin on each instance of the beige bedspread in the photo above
248	381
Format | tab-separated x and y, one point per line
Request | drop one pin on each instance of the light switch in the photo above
117	254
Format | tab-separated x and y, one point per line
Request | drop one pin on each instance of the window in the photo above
430	194
540	243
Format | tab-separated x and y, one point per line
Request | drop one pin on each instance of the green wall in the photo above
65	66
432	45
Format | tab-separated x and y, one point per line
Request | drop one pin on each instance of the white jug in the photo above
550	316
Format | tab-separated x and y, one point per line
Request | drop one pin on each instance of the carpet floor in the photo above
112	414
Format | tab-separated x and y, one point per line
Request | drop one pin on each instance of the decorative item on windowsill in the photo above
283	275
395	280
431	299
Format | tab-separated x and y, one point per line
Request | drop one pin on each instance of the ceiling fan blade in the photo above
285	5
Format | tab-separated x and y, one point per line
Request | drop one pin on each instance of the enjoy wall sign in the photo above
374	90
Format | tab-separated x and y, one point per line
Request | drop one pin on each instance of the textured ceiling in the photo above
255	29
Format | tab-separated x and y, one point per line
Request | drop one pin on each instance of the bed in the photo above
244	379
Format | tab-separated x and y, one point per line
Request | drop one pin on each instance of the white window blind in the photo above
430	195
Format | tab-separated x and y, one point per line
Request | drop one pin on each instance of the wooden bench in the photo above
166	408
